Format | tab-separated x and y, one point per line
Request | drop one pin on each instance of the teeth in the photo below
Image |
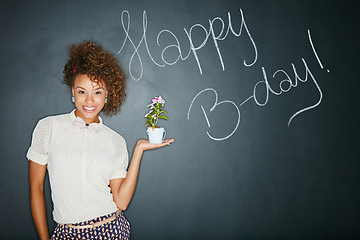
89	108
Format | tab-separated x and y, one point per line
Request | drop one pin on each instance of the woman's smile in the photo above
89	109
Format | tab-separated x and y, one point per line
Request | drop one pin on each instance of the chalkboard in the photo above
261	98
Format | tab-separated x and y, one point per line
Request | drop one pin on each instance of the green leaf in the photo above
163	117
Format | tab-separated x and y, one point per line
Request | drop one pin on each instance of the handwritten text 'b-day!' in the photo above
262	86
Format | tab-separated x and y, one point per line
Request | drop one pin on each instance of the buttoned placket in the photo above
84	162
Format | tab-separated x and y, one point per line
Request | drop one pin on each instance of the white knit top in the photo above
80	164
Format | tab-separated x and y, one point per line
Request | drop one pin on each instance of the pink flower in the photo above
148	113
158	99
154	116
161	100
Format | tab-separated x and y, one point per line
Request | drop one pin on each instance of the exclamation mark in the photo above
313	48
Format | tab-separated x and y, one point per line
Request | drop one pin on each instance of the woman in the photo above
86	160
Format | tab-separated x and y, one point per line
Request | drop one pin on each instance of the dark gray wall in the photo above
266	179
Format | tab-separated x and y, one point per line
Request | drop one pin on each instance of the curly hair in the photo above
101	67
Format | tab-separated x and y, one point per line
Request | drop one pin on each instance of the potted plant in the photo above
156	134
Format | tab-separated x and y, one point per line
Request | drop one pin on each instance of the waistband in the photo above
94	223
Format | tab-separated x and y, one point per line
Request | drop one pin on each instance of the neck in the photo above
87	120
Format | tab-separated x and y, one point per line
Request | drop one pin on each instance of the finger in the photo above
169	141
159	145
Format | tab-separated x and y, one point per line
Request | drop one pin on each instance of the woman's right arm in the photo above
37	198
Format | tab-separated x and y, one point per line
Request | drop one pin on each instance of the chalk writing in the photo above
313	48
136	47
210	32
216	103
261	88
284	86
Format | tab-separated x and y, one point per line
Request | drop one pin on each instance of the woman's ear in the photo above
73	91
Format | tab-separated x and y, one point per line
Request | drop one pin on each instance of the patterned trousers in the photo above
119	228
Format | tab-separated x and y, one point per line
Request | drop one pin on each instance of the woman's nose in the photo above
89	98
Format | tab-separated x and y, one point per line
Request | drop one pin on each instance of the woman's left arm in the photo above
123	188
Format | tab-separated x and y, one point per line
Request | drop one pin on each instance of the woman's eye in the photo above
98	92
81	92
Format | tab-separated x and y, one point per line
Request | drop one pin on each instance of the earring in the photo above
72	99
105	100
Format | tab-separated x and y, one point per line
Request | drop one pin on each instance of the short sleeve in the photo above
38	152
121	159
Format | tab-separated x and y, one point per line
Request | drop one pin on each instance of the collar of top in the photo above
80	123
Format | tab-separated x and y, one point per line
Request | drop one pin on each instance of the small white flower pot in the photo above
156	135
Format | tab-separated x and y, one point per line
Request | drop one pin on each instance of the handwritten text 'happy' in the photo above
209	33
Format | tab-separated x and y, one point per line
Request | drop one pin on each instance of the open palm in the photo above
145	145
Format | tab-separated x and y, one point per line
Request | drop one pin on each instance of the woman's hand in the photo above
143	144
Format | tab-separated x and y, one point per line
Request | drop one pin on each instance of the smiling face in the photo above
89	98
